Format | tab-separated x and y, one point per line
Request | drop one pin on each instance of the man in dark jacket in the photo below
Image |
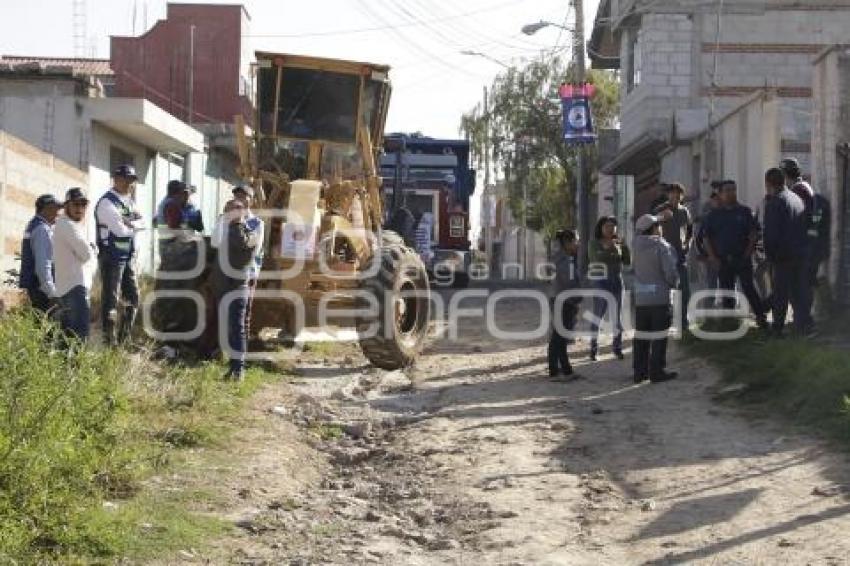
799	186
785	246
730	238
230	278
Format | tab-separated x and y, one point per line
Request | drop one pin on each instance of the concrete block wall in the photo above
666	42
25	173
830	127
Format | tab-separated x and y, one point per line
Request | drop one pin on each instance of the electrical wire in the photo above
408	43
474	32
388	26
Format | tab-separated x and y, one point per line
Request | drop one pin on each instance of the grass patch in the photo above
804	382
81	432
327	431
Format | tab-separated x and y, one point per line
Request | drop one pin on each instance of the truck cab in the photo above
430	176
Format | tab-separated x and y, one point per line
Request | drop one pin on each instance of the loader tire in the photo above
395	337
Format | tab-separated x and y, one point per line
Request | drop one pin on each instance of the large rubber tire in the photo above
402	323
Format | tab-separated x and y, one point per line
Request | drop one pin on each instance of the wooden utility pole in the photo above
486	196
582	196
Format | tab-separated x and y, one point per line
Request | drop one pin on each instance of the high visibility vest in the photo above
118	248
28	277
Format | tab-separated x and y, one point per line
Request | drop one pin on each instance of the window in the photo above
633	61
312	105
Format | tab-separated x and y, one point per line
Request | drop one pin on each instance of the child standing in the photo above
565	310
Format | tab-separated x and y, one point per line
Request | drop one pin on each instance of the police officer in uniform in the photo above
37	276
117	221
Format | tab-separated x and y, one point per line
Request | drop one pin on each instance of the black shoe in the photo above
664	376
619	355
593	356
640	378
564	376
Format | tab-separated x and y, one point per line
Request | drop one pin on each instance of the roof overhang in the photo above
603	47
633	159
145	123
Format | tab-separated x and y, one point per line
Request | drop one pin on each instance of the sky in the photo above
433	83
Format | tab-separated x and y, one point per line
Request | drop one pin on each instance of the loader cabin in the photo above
313	115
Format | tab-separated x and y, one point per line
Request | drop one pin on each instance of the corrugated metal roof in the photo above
79	66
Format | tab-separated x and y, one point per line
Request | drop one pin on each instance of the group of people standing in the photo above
792	236
58	257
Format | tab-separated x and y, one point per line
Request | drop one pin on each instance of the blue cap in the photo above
125	171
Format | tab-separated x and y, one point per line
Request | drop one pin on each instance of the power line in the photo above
473	31
388	26
408	42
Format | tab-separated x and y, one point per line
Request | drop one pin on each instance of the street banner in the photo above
578	121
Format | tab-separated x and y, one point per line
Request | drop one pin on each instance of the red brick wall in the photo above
156	65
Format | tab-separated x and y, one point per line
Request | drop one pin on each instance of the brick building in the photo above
687	65
197	50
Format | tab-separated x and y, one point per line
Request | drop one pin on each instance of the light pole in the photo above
531	29
472	53
581	71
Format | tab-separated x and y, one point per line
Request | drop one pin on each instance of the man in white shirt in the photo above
72	255
117	223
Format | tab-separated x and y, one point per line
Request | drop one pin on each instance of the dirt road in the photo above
483	461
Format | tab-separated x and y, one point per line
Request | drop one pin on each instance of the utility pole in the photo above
191	73
581	190
488	228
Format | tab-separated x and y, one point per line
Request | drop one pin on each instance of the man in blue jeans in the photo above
231	271
73	254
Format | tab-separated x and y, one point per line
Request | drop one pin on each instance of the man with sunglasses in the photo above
72	255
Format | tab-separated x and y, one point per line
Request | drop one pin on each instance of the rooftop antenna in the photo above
79	27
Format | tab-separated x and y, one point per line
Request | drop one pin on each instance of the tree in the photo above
524	124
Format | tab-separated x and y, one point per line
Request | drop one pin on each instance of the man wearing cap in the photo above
73	254
118	221
677	229
256	228
656	274
785	248
37	274
800	187
230	279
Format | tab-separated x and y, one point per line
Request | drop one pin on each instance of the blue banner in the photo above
578	120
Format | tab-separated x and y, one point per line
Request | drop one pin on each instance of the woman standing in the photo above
608	256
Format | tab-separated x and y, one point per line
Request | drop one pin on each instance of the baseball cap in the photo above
75	194
46	200
790	165
246	188
646	222
176	187
125	171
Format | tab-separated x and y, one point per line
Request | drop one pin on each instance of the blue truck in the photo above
431	175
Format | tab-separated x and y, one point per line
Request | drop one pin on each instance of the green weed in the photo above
81	432
802	381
